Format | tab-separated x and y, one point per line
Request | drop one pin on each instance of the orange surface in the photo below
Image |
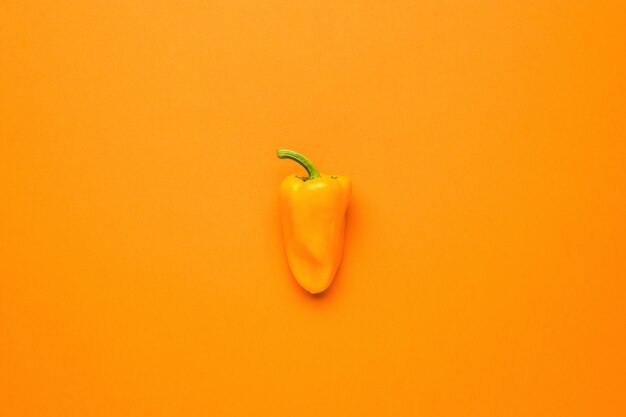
142	271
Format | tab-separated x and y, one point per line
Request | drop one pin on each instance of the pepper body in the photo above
313	223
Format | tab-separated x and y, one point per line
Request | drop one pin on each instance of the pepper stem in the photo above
301	159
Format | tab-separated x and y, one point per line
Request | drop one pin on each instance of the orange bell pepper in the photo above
313	212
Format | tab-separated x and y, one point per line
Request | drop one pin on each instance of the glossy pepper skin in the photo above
313	211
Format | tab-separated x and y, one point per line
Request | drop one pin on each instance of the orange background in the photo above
142	271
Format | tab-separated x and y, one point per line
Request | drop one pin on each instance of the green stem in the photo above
301	159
